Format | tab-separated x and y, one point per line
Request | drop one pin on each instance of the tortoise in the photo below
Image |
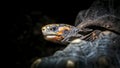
86	22
90	42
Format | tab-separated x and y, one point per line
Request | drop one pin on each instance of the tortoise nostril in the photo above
43	29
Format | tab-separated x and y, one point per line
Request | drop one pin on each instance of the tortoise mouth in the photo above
53	38
48	36
52	35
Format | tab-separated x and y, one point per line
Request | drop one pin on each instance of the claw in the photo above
70	64
35	63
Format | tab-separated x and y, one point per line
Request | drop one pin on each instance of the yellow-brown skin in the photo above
57	34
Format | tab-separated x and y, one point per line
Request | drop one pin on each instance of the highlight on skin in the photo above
55	32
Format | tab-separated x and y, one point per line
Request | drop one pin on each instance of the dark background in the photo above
25	37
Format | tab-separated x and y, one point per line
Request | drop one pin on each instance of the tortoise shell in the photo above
103	52
101	15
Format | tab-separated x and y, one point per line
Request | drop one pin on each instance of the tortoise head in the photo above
56	32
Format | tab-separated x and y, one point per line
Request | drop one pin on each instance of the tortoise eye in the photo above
53	28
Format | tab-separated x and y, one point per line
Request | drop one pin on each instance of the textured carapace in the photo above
102	14
56	32
100	47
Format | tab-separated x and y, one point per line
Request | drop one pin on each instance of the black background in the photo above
25	37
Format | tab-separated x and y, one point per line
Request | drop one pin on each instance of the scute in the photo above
100	14
103	52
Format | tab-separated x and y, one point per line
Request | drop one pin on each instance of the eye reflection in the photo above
53	28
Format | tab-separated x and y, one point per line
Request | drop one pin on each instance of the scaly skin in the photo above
63	33
60	33
99	48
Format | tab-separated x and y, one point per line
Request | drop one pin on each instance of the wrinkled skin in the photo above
60	33
100	48
102	53
63	33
